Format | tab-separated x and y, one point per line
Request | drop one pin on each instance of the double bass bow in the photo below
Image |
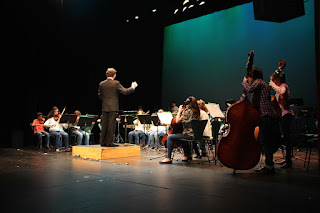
239	149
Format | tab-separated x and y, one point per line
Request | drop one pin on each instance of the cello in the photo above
239	149
174	127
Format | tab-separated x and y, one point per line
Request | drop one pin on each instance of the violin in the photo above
41	121
57	117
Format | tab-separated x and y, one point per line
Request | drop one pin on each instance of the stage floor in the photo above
32	181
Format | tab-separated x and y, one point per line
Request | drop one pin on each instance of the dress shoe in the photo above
187	160
266	171
165	162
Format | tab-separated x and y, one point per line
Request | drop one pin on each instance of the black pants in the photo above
108	122
286	133
269	137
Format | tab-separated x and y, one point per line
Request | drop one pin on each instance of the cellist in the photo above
186	113
269	134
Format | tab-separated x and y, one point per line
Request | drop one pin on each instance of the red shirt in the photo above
37	128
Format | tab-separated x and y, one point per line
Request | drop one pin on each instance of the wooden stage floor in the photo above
32	181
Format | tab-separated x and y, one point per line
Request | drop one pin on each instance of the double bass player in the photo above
269	134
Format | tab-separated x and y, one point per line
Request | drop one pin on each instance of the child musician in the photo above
79	132
56	129
39	131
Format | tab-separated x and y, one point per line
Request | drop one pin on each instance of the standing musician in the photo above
109	90
269	135
277	82
39	131
56	129
78	132
186	113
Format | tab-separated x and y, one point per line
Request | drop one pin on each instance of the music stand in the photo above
155	120
145	119
126	119
68	118
84	121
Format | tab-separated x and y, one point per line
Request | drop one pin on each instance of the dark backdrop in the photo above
57	55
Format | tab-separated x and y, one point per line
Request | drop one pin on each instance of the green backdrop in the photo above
206	56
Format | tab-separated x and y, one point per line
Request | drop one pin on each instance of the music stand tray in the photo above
70	118
86	121
145	119
155	120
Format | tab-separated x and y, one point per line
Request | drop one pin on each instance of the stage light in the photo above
127	20
154	10
137	17
184	9
191	6
175	12
202	3
185	2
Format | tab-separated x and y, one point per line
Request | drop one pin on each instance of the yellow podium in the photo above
103	153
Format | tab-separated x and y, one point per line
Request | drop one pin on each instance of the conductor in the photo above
108	92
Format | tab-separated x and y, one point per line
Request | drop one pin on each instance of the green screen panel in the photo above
206	57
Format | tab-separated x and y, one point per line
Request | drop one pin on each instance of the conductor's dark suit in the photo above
108	92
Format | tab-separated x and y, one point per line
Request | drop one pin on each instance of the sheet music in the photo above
215	110
165	117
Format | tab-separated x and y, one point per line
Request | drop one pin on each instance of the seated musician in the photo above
204	115
56	129
140	111
154	133
185	114
137	132
78	132
39	131
174	108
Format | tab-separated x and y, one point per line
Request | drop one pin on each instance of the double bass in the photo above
239	149
274	101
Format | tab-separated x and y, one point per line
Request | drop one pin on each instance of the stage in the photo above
102	153
32	181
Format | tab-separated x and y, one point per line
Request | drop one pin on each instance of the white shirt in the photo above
52	124
207	130
138	126
158	128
